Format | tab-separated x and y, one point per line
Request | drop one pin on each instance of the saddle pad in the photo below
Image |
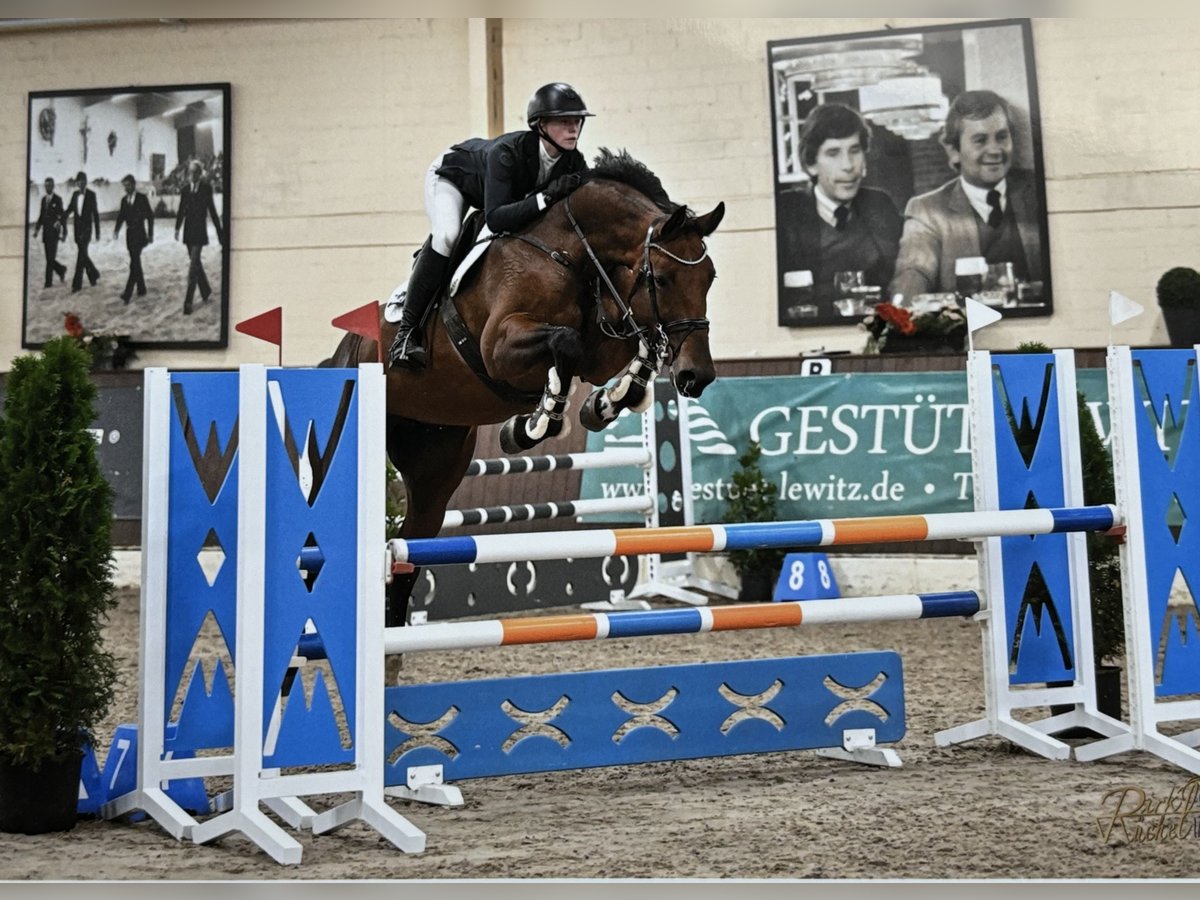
482	242
393	307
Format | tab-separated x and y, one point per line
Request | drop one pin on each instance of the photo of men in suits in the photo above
195	207
139	160
51	223
86	215
138	219
990	210
950	136
833	223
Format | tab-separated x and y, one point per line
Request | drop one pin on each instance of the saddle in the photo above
463	257
472	243
470	247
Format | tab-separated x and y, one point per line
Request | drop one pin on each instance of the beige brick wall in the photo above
334	123
691	97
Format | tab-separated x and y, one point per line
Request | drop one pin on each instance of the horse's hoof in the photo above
508	441
589	412
513	438
643	402
555	428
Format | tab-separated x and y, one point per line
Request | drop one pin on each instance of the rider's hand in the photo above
560	187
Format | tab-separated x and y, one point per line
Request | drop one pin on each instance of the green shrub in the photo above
753	499
395	502
1104	553
56	677
1179	288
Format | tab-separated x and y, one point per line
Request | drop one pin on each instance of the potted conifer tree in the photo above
1178	293
56	676
754	499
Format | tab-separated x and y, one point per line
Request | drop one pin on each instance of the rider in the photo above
512	178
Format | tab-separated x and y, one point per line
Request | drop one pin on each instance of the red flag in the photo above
365	321
266	326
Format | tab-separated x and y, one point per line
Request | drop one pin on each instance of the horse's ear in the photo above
678	220
707	224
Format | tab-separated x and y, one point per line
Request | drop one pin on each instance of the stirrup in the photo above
406	353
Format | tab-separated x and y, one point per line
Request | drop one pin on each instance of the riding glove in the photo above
560	187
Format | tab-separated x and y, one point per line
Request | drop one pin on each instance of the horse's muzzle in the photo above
691	382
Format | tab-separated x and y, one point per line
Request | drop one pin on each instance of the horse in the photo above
610	282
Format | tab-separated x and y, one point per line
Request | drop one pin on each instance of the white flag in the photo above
980	316
1121	308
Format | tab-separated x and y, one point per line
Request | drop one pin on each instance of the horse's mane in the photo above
624	168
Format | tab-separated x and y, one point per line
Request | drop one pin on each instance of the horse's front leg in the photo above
523	432
632	391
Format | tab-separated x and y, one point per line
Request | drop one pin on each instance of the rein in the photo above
655	335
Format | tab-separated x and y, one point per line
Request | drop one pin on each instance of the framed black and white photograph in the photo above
127	215
908	168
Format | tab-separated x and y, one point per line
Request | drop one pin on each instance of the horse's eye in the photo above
659	281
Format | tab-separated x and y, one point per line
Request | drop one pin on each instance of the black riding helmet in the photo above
552	101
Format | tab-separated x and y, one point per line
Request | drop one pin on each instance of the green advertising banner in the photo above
856	444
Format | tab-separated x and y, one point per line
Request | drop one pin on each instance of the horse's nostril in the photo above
691	383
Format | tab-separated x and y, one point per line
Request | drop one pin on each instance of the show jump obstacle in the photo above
283	470
264	464
663	463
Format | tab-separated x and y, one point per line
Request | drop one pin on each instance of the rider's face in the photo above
563	131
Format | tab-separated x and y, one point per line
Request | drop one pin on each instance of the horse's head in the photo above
678	273
654	268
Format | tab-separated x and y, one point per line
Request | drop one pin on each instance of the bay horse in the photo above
611	282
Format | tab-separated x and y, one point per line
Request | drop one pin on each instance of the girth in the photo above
468	348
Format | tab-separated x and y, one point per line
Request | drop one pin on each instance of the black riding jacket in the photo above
499	176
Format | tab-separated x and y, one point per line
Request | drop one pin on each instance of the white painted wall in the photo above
335	121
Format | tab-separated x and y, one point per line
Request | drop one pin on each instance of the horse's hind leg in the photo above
432	460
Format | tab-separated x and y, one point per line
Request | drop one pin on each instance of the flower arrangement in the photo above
107	351
892	328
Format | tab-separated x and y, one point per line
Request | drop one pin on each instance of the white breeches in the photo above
445	205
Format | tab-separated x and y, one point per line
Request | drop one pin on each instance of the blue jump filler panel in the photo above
1029	443
1168	439
542	723
201	606
311	565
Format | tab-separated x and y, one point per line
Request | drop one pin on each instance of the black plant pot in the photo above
1183	325
42	800
758	586
1108	700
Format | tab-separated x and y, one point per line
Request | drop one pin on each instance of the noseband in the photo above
656	335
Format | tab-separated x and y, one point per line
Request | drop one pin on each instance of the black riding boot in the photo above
423	284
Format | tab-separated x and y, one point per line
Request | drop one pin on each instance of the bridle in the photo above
655	335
